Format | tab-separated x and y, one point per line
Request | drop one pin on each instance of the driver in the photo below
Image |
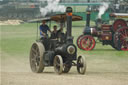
44	36
43	29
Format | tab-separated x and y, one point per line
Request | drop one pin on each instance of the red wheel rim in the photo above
124	38
78	41
87	43
118	24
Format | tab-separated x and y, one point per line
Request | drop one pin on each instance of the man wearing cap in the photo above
44	36
43	30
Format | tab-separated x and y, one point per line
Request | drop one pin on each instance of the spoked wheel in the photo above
118	24
121	38
78	41
81	65
36	57
87	43
67	68
58	64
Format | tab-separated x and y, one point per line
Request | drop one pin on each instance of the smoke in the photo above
102	9
52	7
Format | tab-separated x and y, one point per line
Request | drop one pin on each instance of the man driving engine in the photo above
44	36
43	29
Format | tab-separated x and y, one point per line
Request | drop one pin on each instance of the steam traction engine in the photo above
61	52
115	35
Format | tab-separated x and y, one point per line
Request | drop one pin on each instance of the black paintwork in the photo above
59	46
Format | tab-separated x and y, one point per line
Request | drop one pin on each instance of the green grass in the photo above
17	41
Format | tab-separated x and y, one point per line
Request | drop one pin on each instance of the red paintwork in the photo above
105	33
118	24
87	42
78	41
106	27
106	36
123	35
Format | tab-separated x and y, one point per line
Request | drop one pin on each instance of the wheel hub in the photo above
119	26
37	60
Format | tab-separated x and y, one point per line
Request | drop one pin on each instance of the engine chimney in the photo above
69	22
88	16
88	13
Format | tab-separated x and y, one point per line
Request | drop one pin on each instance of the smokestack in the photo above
87	27
88	13
69	22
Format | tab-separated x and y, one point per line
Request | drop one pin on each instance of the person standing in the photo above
54	32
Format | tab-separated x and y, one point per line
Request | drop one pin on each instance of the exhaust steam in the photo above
102	9
53	6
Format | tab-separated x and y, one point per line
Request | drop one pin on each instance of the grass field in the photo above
103	62
18	39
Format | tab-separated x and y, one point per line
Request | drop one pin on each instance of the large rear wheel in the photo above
36	57
121	39
119	23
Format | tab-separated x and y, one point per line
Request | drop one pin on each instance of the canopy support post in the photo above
37	32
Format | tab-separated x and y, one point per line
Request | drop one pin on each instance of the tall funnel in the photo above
88	13
69	22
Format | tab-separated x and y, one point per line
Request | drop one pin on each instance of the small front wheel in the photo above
58	64
87	43
81	65
78	41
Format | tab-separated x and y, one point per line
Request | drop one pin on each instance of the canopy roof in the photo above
82	4
119	15
57	18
